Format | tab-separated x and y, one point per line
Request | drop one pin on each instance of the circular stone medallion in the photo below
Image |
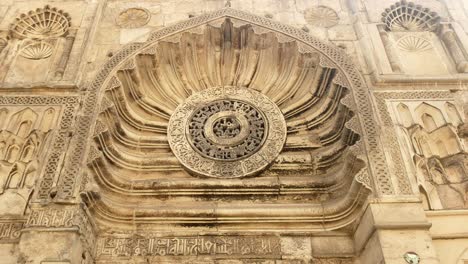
227	132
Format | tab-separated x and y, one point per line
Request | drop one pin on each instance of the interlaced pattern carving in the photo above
390	134
60	140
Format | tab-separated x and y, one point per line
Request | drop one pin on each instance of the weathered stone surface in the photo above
233	132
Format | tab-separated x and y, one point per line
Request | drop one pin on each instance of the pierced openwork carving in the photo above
133	18
321	16
227	132
42	23
407	16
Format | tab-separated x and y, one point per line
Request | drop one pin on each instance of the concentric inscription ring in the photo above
227	132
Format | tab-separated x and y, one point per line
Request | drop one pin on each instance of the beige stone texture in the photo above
233	132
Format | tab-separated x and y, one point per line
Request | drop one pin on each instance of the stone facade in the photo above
233	132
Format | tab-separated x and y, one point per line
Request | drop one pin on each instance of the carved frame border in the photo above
390	137
59	143
333	56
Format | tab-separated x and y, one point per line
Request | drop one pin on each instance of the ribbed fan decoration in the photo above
47	22
407	16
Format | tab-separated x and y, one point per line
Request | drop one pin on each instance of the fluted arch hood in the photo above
314	178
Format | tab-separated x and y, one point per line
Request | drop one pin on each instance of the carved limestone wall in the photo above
33	137
410	33
233	131
25	136
429	131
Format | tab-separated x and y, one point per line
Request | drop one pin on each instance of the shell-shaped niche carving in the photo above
133	18
414	44
321	16
149	93
228	100
407	16
47	22
37	51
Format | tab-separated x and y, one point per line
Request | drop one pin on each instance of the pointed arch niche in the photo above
319	181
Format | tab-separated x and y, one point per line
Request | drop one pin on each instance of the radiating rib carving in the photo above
132	160
135	94
316	114
124	112
131	139
135	141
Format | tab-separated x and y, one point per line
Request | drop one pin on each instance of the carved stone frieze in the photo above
236	247
74	218
10	230
51	218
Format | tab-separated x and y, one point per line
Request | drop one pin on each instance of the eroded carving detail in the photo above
50	217
429	131
321	16
133	18
219	246
10	231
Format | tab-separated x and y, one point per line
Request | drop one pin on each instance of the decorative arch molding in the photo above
347	75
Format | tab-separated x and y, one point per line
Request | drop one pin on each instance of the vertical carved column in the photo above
4	58
389	49
69	40
450	40
3	43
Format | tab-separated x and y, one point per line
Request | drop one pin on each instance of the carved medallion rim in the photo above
250	165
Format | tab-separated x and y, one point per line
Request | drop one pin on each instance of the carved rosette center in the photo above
227	132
